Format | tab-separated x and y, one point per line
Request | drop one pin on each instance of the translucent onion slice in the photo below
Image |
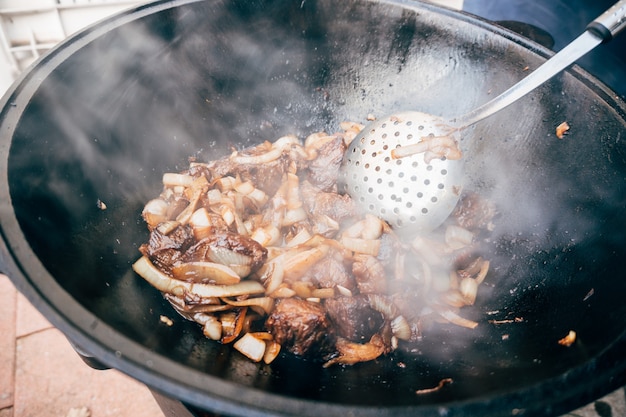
232	324
296	266
369	227
206	273
265	303
364	246
250	346
454	318
165	284
301	237
272	349
266	236
468	287
171	179
283	292
155	212
225	256
323	293
401	328
212	327
293	216
272	276
457	237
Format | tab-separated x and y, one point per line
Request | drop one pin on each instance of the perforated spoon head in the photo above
414	194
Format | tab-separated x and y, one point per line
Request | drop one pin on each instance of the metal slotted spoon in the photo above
386	171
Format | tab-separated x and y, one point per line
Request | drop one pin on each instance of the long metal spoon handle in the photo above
602	29
611	22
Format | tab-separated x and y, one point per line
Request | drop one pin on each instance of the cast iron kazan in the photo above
104	115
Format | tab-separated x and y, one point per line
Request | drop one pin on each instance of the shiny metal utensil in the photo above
407	169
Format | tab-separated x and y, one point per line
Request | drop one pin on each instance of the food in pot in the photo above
261	250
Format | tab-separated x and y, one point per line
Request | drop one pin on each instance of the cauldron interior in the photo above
102	117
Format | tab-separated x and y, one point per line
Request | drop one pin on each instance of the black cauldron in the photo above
100	118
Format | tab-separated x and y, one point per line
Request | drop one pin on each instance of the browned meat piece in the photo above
369	274
323	170
474	212
301	327
266	177
330	272
316	202
353	318
230	241
164	250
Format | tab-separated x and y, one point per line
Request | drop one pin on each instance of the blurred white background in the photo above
28	28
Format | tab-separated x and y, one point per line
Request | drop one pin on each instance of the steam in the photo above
142	99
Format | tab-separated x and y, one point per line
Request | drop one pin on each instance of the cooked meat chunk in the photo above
474	212
323	170
229	241
353	318
266	177
302	327
317	202
330	272
369	274
165	249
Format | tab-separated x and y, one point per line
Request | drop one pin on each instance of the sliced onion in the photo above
167	227
283	292
364	246
454	318
272	349
155	212
226	256
400	328
293	216
454	298
293	192
383	305
265	303
302	289
177	180
258	197
212	327
225	183
457	237
266	236
241	270
370	228
323	293
484	269
251	347
300	238
200	222
468	287
165	284
272	276
244	188
205	272
296	266
344	291
232	324
264	158
213	196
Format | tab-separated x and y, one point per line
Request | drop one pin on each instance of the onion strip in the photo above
266	303
164	283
